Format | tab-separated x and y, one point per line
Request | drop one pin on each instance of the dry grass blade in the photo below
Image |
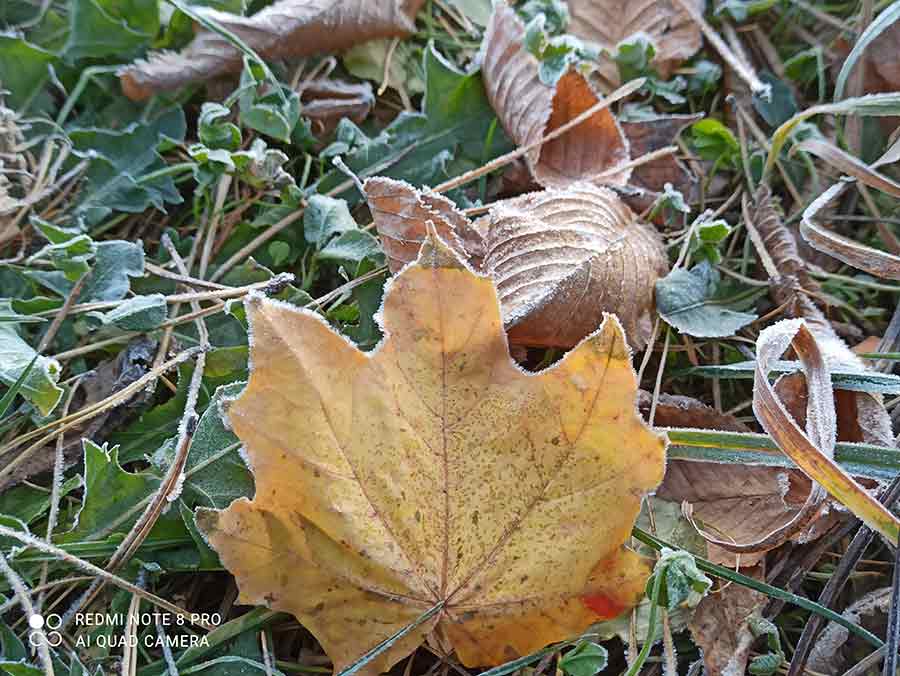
873	261
812	450
850	165
675	36
286	28
529	109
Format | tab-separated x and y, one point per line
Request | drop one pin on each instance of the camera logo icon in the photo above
43	628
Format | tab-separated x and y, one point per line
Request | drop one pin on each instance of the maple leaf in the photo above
433	470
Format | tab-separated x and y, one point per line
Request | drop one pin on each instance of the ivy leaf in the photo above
684	584
352	246
454	132
23	70
585	659
215	472
40	387
686	300
111	495
325	217
101	28
120	161
141	313
714	141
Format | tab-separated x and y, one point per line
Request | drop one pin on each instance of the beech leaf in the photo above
287	28
529	109
560	258
432	473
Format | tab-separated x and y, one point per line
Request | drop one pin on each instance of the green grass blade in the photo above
391	640
11	393
858	381
872	104
747	448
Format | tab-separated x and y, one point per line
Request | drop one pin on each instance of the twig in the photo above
95	571
625	90
742	69
21	592
184	279
58	467
255	243
60	317
892	638
221	194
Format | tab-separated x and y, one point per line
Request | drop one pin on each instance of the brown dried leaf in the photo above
674	34
287	28
560	258
326	101
646	136
528	109
874	261
673	410
401	213
742	503
739	504
721	627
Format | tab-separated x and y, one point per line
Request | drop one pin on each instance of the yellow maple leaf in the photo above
434	469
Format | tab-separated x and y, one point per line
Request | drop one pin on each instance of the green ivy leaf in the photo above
39	388
714	141
686	300
101	28
585	659
352	246
23	70
140	313
324	218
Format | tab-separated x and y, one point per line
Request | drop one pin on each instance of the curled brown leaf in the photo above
559	258
740	503
287	28
529	109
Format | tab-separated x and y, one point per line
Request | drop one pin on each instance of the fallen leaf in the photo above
433	470
721	627
874	261
646	136
529	109
740	503
326	100
287	28
675	36
560	258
